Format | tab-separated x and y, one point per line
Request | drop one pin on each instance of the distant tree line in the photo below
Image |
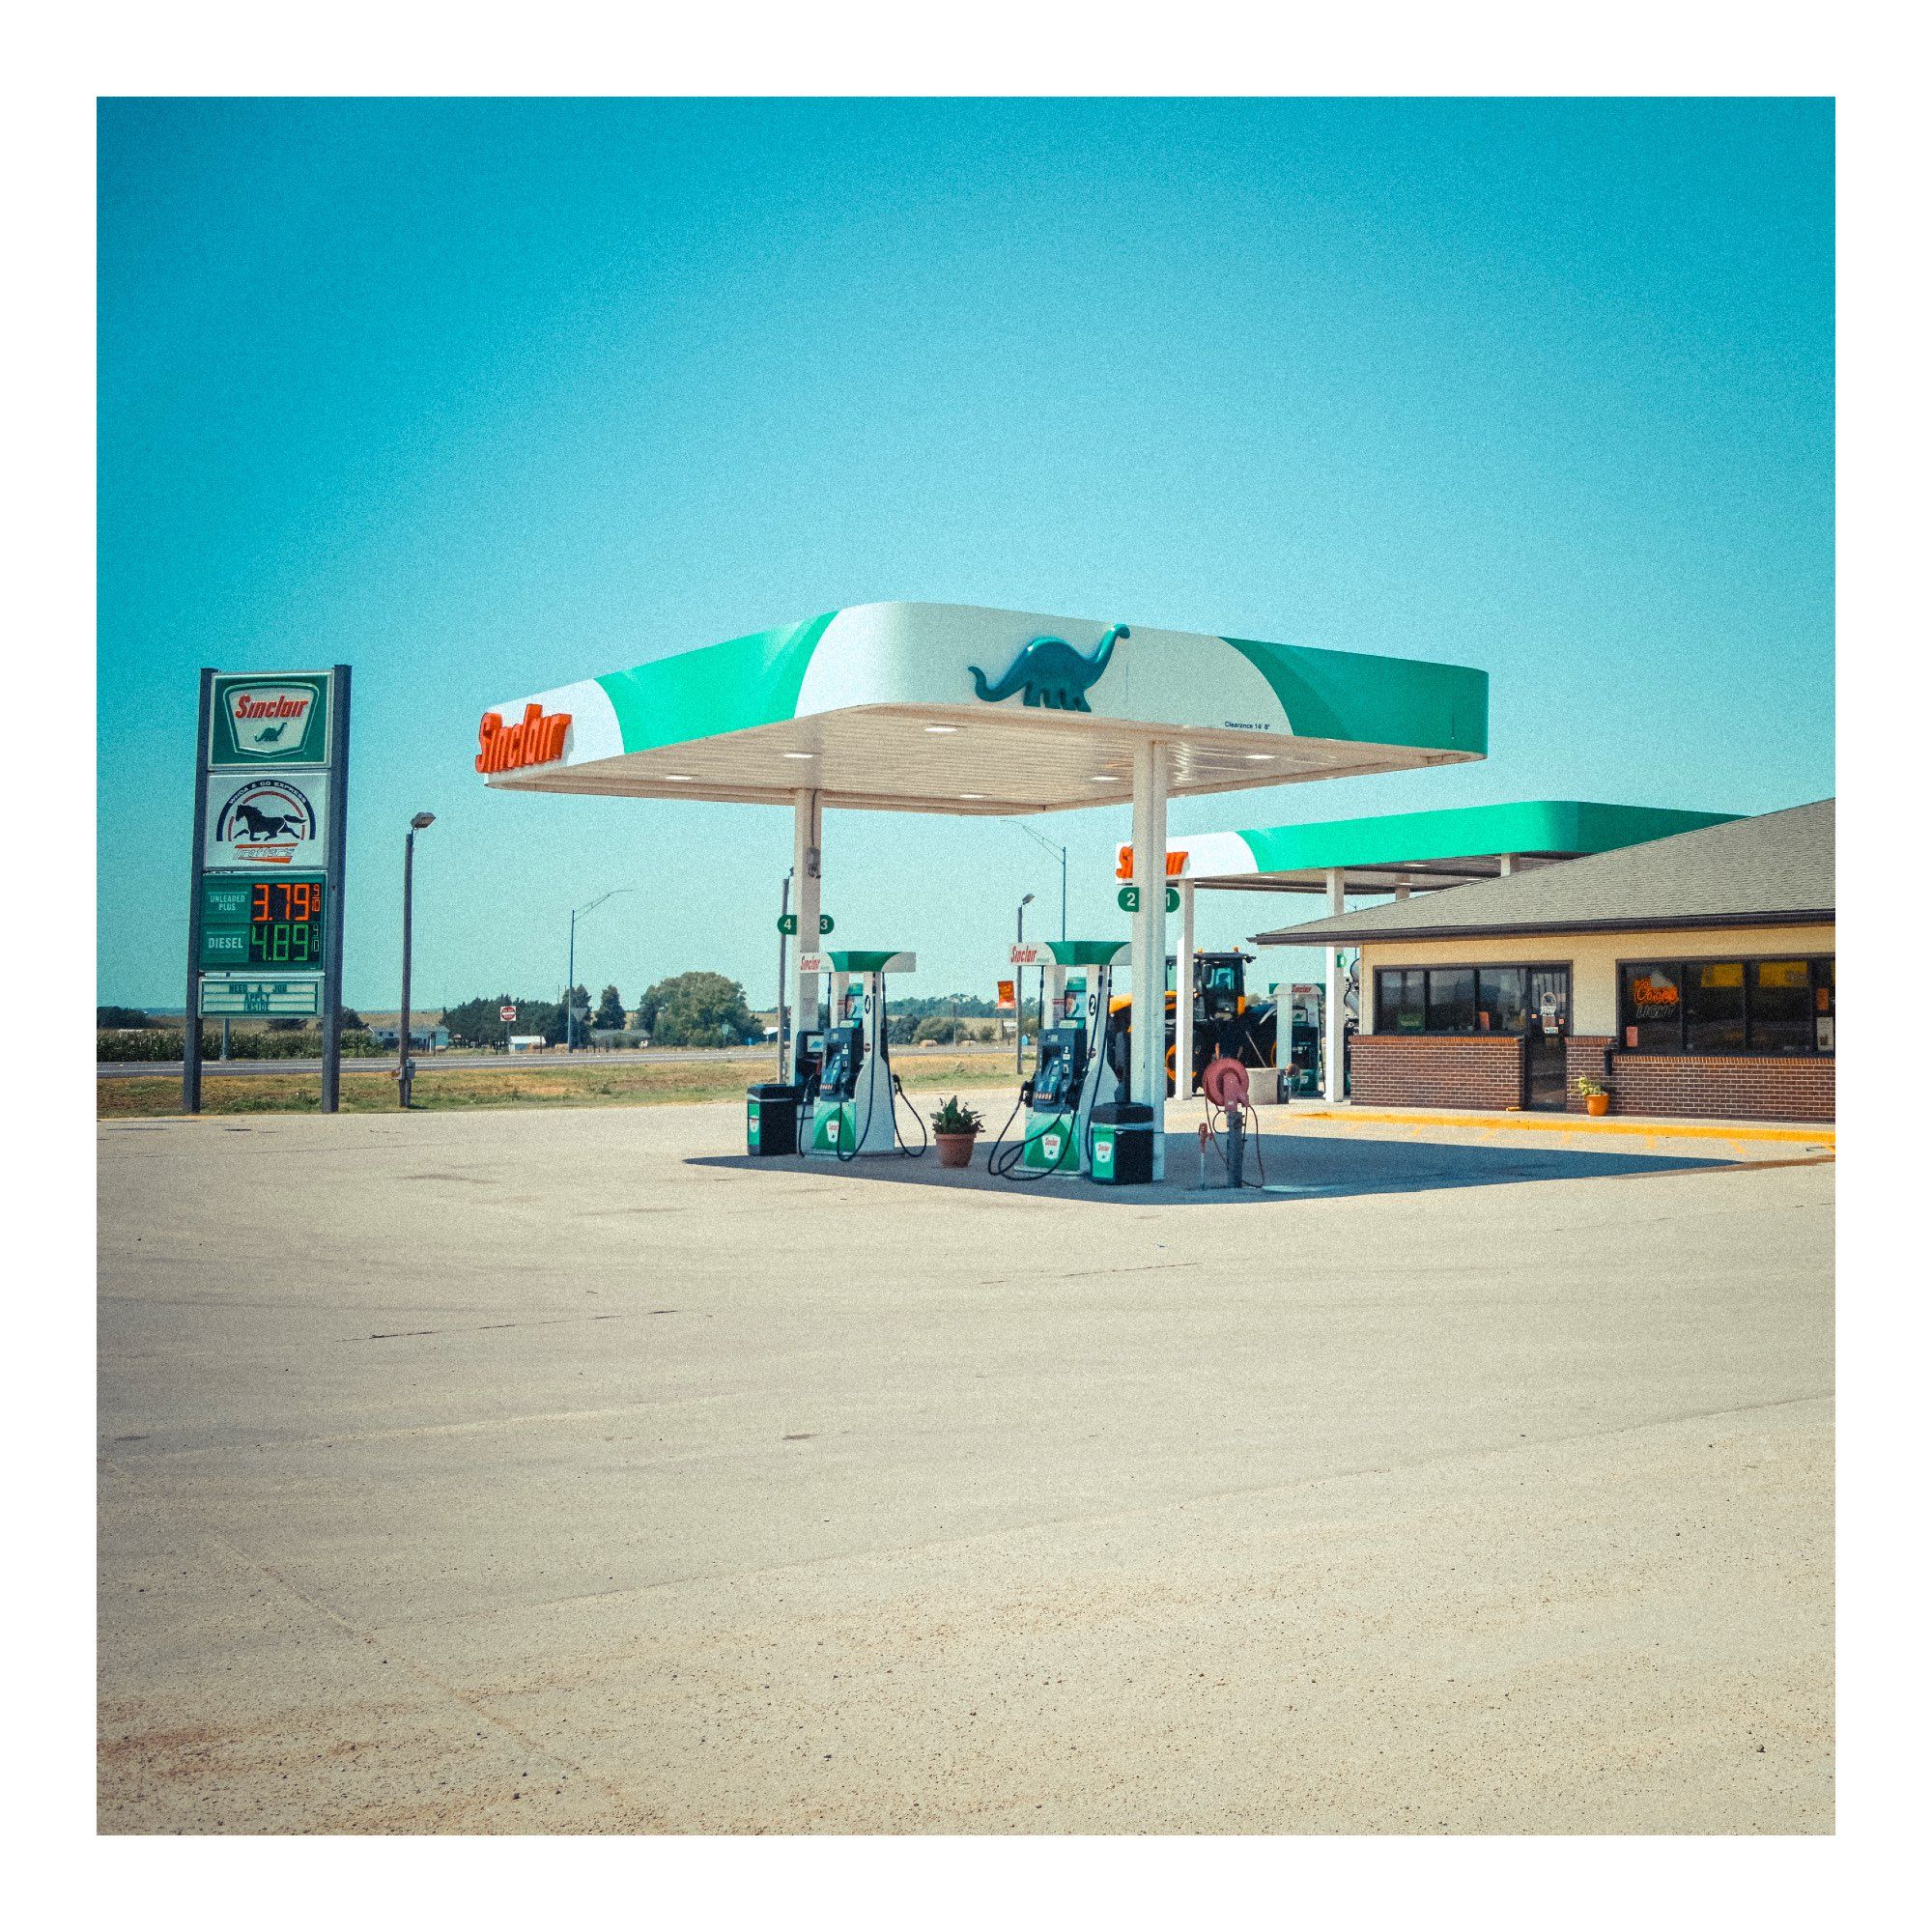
687	1009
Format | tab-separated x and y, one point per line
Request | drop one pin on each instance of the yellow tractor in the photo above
1225	1019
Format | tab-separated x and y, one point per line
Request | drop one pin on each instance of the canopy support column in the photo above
1148	1086
807	829
1183	996
1331	999
1507	865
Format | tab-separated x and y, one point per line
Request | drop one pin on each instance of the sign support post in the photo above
192	1012
336	846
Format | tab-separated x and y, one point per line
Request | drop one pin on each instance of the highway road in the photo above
431	1063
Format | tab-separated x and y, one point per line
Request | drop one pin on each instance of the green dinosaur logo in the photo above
1051	673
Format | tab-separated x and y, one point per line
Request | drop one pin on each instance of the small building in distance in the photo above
422	1039
1694	975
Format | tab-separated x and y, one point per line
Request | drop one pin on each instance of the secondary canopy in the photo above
1422	850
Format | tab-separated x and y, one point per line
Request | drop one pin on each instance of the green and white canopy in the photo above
942	707
1421	850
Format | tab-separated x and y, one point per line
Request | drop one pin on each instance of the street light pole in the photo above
405	1066
1047	845
1019	1004
570	979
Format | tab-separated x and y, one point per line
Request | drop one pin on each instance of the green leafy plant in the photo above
954	1118
1586	1087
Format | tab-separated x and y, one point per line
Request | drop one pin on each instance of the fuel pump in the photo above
1071	1068
853	1105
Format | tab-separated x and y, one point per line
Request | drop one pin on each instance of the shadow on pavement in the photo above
1311	1167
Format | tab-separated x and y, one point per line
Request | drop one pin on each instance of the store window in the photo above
1502	998
1453	999
1400	1001
1652	1001
1714	1006
1728	1006
1783	1007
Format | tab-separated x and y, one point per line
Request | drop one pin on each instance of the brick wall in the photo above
1724	1088
1477	1069
1712	1086
1583	1054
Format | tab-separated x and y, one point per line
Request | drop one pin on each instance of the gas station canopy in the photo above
1419	851
954	708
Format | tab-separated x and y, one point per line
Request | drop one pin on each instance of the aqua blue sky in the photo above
484	396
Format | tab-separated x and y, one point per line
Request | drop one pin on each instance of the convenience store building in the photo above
1694	975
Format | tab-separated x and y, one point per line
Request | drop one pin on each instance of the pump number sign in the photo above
263	922
1130	897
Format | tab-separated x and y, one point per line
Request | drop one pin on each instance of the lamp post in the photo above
1019	1031
405	1065
570	977
1047	845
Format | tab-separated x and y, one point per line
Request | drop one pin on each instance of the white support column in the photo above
806	827
1335	983
1183	995
1148	1085
1401	894
1507	865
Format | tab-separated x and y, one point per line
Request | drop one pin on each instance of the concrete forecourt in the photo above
567	1471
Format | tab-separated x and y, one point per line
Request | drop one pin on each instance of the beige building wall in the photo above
1592	958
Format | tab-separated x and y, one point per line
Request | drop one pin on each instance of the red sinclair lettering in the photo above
537	741
280	707
1176	863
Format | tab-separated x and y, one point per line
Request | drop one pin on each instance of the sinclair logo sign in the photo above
537	741
269	721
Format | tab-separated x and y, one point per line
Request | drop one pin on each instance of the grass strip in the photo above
369	1090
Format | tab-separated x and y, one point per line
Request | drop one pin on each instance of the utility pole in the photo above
405	1065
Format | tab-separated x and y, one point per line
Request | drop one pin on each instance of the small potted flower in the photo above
1596	1095
954	1130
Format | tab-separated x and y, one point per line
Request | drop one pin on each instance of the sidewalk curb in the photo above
1576	1124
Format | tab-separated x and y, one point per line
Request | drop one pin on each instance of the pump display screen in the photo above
264	922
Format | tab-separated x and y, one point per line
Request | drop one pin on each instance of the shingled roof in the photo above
1777	869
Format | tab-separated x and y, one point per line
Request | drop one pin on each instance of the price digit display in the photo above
264	923
285	922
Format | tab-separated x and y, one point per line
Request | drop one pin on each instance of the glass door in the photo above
1547	1028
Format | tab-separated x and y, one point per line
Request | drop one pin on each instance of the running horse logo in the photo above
268	824
1051	673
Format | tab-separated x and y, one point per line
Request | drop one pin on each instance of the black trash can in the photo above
770	1118
1122	1144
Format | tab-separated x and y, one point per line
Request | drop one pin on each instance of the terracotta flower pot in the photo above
1597	1104
954	1149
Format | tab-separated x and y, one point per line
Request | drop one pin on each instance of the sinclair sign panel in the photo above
268	721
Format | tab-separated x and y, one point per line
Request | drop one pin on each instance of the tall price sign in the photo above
265	895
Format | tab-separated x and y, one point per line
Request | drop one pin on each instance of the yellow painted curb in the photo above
1575	1123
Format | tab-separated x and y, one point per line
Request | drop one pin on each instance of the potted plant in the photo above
1596	1095
954	1130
